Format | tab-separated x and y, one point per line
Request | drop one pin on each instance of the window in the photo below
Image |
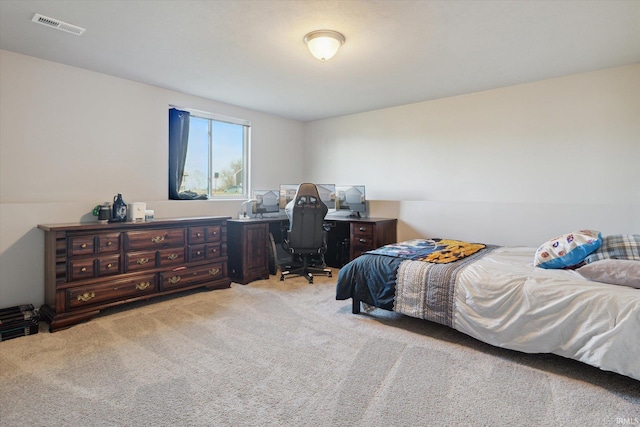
216	163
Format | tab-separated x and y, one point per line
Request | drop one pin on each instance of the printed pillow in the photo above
617	246
615	271
567	250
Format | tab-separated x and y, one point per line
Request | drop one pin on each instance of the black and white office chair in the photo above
306	238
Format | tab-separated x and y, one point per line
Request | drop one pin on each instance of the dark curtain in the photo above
178	141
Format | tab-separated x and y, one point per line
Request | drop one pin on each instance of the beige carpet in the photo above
287	353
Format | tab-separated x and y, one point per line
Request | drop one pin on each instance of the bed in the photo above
504	296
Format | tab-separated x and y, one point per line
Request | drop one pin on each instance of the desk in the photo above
347	238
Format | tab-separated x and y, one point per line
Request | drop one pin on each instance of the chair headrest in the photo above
307	194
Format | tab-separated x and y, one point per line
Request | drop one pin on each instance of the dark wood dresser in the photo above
89	267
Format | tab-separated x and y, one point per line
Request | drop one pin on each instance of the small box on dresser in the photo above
90	267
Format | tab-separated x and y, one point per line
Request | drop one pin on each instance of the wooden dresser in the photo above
89	267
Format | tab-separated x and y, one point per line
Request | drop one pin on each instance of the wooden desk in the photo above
347	238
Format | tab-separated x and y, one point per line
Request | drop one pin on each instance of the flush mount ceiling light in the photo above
323	44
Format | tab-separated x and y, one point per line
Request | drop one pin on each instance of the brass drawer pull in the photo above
83	269
174	279
198	252
142	286
157	239
109	265
142	261
214	233
84	245
214	271
172	256
86	296
198	234
109	243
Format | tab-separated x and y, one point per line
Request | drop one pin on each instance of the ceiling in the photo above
251	53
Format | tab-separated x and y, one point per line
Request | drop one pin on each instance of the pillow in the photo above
617	246
567	250
615	271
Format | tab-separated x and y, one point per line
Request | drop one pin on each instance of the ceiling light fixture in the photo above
323	44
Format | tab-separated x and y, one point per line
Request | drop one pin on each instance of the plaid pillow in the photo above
617	246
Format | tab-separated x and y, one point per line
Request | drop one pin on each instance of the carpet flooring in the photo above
274	353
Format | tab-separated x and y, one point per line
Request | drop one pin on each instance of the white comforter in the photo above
503	300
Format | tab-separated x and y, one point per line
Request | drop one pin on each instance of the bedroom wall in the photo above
71	139
511	166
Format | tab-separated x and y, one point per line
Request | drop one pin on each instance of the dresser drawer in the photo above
81	245
214	233
197	253
214	251
108	265
142	260
173	256
200	252
187	276
107	243
163	238
111	291
81	268
197	235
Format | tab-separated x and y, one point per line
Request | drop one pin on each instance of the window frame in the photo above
246	151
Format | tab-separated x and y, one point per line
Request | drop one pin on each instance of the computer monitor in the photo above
328	195
266	201
351	198
287	193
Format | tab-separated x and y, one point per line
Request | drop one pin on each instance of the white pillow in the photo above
567	250
615	271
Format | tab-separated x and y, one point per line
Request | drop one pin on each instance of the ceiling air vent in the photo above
57	24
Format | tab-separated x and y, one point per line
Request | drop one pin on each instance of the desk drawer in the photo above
362	235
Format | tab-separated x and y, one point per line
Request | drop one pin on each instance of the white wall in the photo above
71	139
516	165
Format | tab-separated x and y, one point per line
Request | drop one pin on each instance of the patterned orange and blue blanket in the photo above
439	251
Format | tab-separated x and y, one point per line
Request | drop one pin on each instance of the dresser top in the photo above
98	226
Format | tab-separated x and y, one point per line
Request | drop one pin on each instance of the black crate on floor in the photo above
18	321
